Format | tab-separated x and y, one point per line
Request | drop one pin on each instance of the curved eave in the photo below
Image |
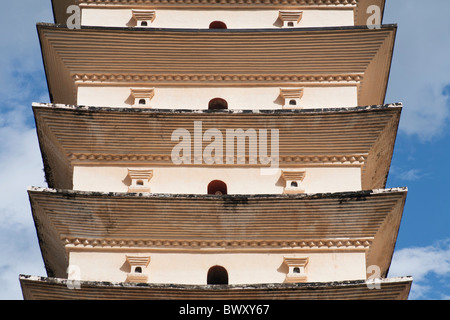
61	15
70	135
116	56
40	288
74	220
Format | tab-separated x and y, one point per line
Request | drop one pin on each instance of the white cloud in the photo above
20	167
22	81
20	56
422	263
411	175
19	254
406	175
421	68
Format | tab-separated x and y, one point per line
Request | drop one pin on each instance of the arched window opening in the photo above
292	102
138	270
142	101
144	24
217	25
217	275
217	187
218	104
294	184
140	182
296	270
290	24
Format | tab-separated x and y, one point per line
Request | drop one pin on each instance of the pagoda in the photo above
203	149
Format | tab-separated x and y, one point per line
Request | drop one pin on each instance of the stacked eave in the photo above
100	56
365	221
39	288
72	135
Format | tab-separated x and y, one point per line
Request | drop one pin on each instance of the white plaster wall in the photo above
200	19
194	180
242	268
237	98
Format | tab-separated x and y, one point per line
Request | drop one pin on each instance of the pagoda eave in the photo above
361	137
112	56
40	288
367	221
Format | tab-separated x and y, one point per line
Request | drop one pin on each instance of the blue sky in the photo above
420	78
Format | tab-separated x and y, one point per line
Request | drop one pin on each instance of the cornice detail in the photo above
359	244
208	78
166	159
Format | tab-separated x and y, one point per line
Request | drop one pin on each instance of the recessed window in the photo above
217	187
293	180
141	96
218	104
291	97
217	275
139	180
217	25
143	18
290	18
139	269
296	269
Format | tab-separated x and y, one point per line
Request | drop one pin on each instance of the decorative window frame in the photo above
142	94
297	269
291	94
140	179
293	181
144	18
290	18
138	262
